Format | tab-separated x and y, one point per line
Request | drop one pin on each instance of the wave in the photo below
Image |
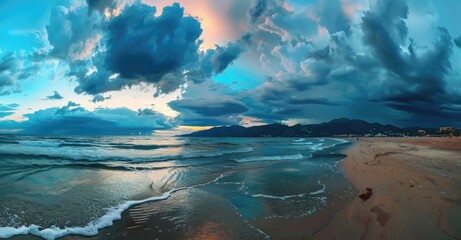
144	147
78	156
341	141
278	197
92	228
285	197
321	146
217	153
322	190
302	143
32	143
269	158
299	140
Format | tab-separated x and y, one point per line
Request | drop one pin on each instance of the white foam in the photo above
34	148
320	146
285	197
7	232
341	140
270	158
278	197
302	143
92	228
322	190
299	140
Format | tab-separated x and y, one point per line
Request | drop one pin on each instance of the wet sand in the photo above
415	190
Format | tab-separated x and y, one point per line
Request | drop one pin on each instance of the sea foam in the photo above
92	228
269	158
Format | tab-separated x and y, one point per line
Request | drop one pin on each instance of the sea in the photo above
168	187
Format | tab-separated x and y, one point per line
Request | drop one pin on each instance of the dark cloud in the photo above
161	50
73	119
372	72
457	41
147	112
8	109
140	44
224	56
210	107
142	47
415	82
258	10
55	96
211	110
100	98
100	5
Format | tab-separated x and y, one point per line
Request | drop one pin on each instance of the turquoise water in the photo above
56	186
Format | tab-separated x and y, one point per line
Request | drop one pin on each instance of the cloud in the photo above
73	34
135	46
100	98
369	62
7	109
416	81
457	41
55	96
142	47
146	112
332	16
210	107
213	107
73	119
16	67
100	5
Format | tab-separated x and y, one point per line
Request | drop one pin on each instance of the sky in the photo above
122	67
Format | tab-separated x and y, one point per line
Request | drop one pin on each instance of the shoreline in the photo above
416	190
416	194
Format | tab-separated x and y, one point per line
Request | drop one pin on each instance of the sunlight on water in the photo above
80	185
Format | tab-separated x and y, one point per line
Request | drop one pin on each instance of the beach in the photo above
415	186
373	188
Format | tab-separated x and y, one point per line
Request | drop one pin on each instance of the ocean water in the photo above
57	186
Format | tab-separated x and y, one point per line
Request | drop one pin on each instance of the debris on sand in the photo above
365	196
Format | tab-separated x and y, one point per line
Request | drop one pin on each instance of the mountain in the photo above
341	126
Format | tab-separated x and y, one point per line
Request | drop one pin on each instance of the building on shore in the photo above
446	130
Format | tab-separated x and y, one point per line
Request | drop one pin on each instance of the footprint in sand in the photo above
382	217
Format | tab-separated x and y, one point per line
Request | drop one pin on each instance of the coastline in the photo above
416	194
416	190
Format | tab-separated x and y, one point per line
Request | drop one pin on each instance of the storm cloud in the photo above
55	96
133	47
373	63
72	119
288	61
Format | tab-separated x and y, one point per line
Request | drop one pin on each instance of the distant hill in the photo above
335	127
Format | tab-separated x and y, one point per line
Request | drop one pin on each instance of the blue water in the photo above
56	186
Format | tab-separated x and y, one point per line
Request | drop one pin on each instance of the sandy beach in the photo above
415	186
